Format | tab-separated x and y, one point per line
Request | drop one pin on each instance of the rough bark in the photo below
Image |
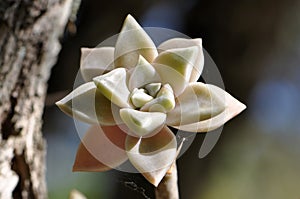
29	33
168	187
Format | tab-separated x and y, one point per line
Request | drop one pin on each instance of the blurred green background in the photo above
256	46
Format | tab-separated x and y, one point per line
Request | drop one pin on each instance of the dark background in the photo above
256	46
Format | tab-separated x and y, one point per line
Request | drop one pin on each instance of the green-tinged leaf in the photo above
164	101
132	42
113	86
139	97
175	66
152	156
101	149
87	104
202	108
142	123
96	61
183	43
153	88
144	73
195	104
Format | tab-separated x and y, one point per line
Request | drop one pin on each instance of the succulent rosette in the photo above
134	91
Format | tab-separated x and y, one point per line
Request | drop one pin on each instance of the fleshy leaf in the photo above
142	123
144	73
132	42
102	148
183	43
152	156
153	88
164	101
195	104
113	86
139	97
96	61
175	66
87	104
214	108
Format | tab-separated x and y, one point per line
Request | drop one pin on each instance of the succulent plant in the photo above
134	91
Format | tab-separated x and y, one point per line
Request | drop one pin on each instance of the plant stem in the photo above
168	187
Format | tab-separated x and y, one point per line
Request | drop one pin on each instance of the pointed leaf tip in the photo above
132	42
215	108
88	105
85	161
101	149
152	156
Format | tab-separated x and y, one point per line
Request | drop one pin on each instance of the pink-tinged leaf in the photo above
202	108
153	156
101	149
96	61
177	154
183	43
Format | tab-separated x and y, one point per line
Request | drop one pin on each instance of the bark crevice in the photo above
24	187
8	124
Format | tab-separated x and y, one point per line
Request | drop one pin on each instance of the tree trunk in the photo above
29	32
